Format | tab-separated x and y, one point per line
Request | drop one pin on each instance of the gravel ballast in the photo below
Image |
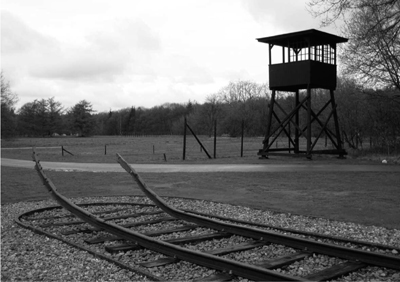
26	256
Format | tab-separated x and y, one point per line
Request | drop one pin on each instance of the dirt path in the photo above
170	168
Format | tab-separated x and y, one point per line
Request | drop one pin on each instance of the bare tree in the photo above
373	26
8	100
241	91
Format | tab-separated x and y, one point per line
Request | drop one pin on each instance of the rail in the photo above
357	258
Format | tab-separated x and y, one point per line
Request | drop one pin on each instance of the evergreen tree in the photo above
81	119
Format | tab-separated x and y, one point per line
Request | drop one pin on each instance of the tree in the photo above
8	101
129	126
372	54
203	117
55	111
352	113
241	91
81	119
40	118
26	119
384	120
242	101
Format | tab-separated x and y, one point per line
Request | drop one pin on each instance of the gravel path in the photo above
26	256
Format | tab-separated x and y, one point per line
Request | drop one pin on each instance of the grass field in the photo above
369	198
102	149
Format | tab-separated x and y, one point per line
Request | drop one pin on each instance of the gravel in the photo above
26	256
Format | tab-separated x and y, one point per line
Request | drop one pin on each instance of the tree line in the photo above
366	116
242	100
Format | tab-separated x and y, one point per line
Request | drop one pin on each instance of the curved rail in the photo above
79	247
204	259
298	243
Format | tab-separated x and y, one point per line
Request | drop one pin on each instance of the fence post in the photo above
105	149
198	141
241	144
184	140
290	137
62	151
215	138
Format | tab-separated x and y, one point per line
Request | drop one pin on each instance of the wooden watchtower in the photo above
308	62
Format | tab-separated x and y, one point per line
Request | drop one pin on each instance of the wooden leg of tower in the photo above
269	121
296	130
308	123
335	118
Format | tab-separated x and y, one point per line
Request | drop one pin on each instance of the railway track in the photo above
164	243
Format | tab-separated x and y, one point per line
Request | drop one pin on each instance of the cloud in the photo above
283	15
17	37
260	10
125	34
79	64
120	45
131	52
182	69
23	48
122	58
106	54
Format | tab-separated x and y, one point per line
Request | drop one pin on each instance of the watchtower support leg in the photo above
269	121
296	130
335	118
308	123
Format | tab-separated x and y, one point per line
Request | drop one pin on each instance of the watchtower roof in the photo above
305	38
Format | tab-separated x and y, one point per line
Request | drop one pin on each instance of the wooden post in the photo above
336	121
241	143
269	121
296	130
184	140
289	135
62	151
308	123
105	149
269	52
198	141
215	139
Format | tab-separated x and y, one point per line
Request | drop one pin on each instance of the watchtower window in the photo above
299	54
321	53
324	53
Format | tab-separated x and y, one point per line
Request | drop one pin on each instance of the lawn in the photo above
369	198
144	149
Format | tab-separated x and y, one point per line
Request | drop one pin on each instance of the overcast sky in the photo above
122	53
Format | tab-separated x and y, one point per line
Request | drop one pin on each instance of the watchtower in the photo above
308	62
